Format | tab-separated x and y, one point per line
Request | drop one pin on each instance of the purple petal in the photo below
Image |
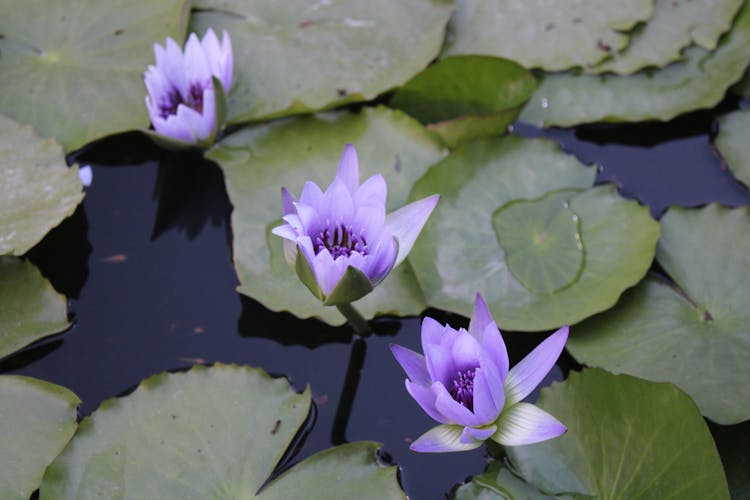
372	193
308	217
443	438
484	328
406	223
431	332
426	400
484	403
348	170
174	127
495	383
288	200
524	423
285	231
465	351
197	70
380	262
337	203
311	195
439	363
526	375
227	65
454	411
480	318
413	364
472	435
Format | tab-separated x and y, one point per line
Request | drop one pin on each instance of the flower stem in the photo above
355	319
348	392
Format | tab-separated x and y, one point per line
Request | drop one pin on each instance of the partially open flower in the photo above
340	241
187	92
463	382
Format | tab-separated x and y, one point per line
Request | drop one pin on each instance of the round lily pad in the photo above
458	254
37	419
460	109
543	34
626	438
258	161
676	24
733	142
542	241
693	331
73	68
700	81
498	483
38	189
298	56
215	432
31	309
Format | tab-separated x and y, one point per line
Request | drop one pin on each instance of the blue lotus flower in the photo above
341	242
187	92
463	382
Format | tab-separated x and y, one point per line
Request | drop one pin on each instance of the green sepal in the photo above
353	285
307	275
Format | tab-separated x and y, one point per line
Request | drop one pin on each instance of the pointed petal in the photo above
227	65
426	400
454	411
348	170
439	363
311	195
443	438
526	375
285	231
524	423
406	223
484	404
465	352
480	317
431	332
337	204
472	434
288	200
495	383
372	193
485	330
413	364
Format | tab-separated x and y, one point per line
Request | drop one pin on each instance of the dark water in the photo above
147	263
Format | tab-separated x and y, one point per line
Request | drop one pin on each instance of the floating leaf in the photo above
627	438
212	432
733	142
258	161
498	483
72	68
300	56
459	254
31	309
460	109
38	189
37	419
743	86
693	333
676	24
540	34
700	81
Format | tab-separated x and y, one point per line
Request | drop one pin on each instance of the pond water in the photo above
147	263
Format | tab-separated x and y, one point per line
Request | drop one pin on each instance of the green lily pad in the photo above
498	483
300	56
542	241
733	142
676	25
460	109
458	253
38	189
626	438
37	419
743	86
73	68
700	81
258	161
215	432
31	310
693	333
539	34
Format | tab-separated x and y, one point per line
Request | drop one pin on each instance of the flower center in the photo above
173	99
462	389
341	240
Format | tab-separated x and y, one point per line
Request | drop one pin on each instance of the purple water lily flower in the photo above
463	382
341	242
182	98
